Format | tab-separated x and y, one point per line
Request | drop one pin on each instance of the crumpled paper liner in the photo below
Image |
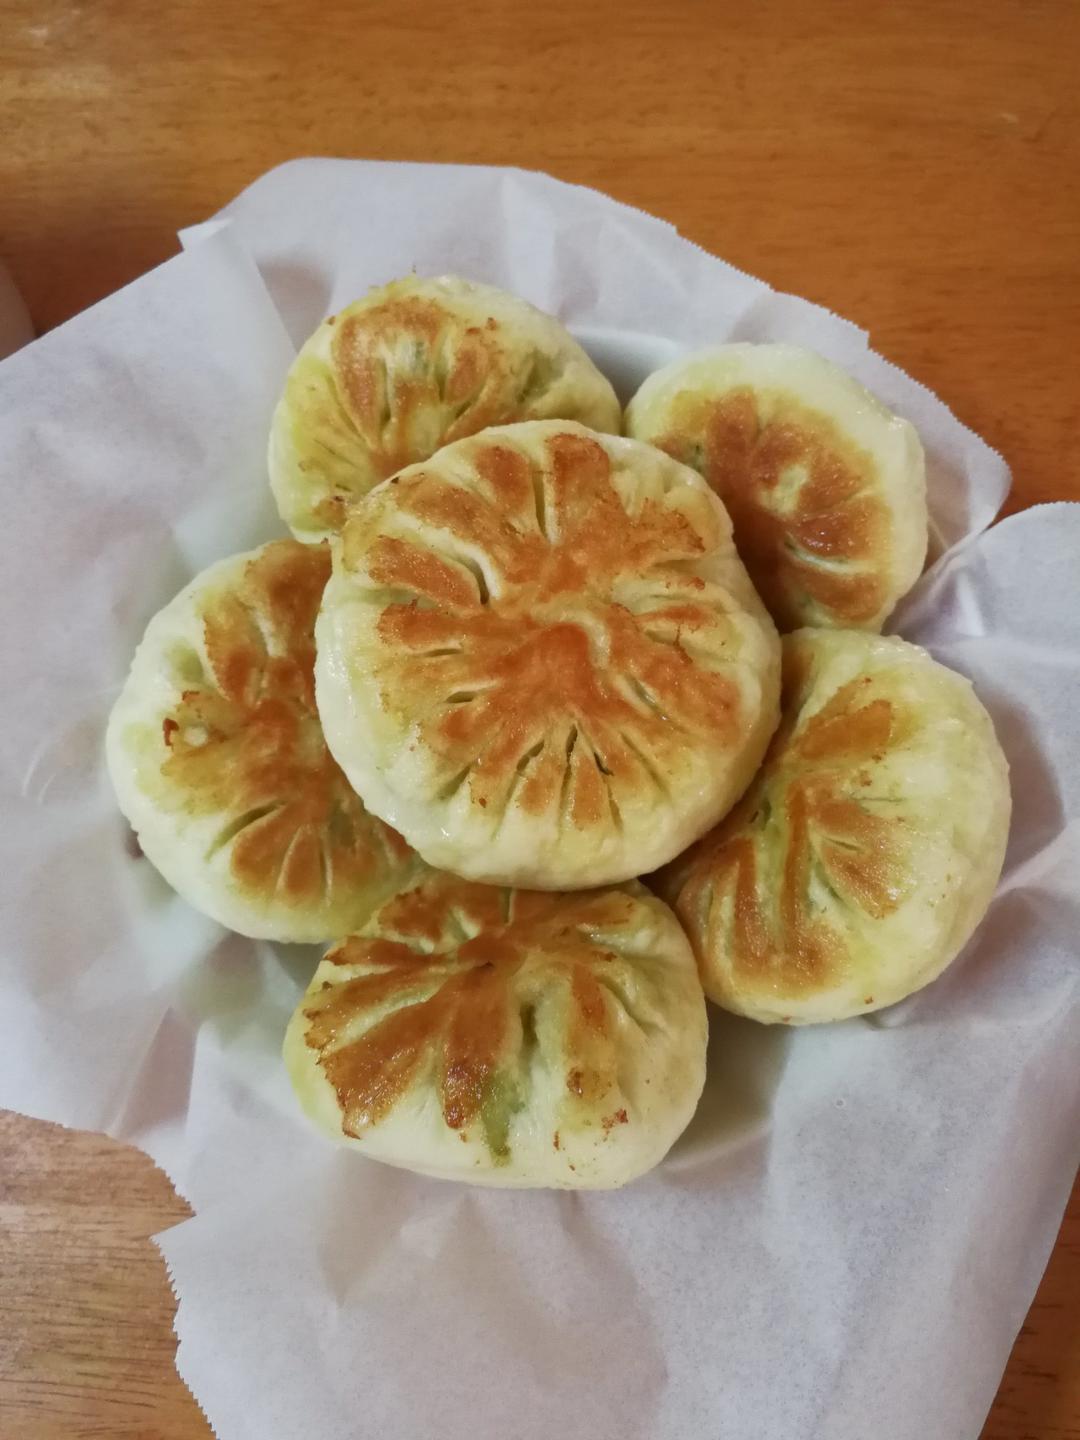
845	1241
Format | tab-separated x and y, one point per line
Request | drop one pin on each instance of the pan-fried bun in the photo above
866	852
541	660
218	760
505	1037
410	367
826	488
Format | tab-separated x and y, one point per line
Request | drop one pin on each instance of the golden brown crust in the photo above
866	850
788	540
470	376
451	970
244	740
809	788
558	687
409	368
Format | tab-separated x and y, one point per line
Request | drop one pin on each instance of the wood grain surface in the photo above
915	167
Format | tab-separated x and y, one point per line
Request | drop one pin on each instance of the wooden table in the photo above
913	166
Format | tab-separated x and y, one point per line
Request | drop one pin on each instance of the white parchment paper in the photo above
847	1238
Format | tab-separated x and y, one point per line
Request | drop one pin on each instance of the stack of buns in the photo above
512	662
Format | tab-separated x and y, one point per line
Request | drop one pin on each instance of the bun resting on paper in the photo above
411	367
217	757
867	850
505	1037
541	660
826	488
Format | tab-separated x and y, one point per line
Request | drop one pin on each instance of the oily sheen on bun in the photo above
505	1037
540	658
413	366
825	487
217	757
868	848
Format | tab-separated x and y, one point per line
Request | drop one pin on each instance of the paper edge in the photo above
193	234
157	1241
189	237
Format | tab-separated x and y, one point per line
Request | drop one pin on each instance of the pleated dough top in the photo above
867	850
541	660
826	488
410	367
218	760
506	1037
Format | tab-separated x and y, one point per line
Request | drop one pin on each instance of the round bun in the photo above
541	660
506	1037
217	757
411	367
867	850
826	488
